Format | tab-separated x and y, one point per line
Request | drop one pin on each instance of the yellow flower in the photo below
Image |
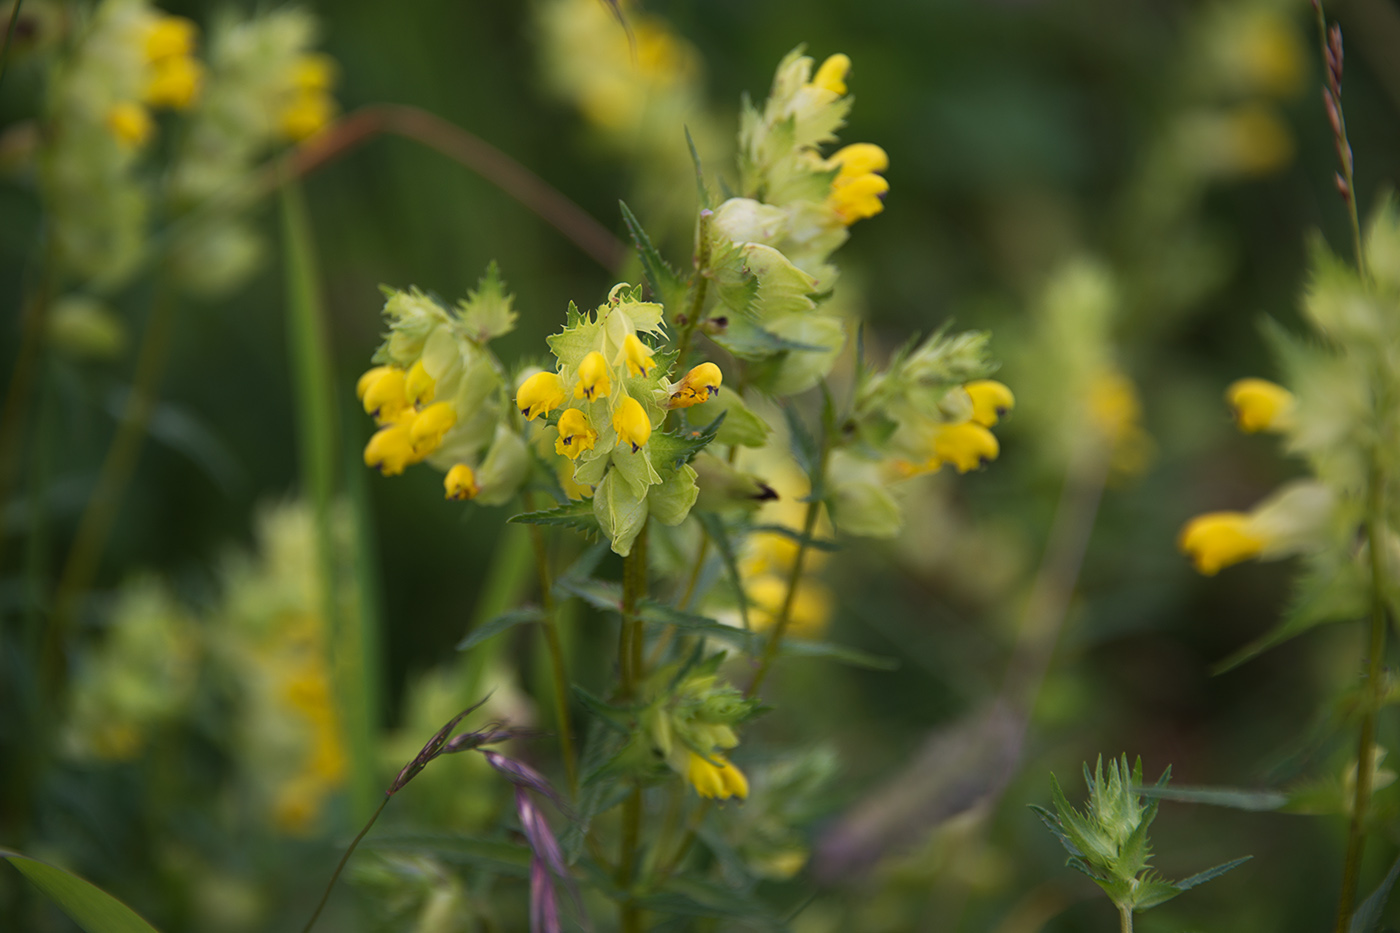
697	386
832	74
575	434
386	396
716	778
176	83
859	159
460	483
418	385
429	426
539	395
631	423
368	379
636	355
308	113
593	377
390	450
966	446
990	401
1260	405
1218	539
170	37
130	123
314	73
810	612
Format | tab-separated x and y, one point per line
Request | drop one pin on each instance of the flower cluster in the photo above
612	394
438	394
1339	414
691	726
769	248
265	87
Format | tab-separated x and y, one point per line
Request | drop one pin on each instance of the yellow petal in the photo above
1216	540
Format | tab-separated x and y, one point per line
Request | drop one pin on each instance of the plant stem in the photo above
634	584
1125	919
558	668
1356	830
326	895
775	639
1340	132
95	526
699	288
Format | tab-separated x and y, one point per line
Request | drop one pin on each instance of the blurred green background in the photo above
1021	134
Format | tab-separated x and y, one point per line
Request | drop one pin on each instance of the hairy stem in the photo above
558	668
699	288
634	584
326	895
1365	751
1125	919
809	524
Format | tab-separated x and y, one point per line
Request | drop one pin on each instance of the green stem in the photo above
775	639
1356	830
9	38
1125	919
699	289
634	584
326	895
558	668
95	526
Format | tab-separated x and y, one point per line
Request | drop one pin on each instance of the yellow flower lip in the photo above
1260	405
428	427
390	450
575	434
636	355
860	159
716	778
991	401
594	380
131	124
460	483
418	385
539	395
966	446
631	423
1216	540
699	385
832	74
386	395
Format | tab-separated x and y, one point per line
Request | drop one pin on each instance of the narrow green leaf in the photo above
89	906
665	281
670	451
714	527
820	544
1210	874
1367	918
600	594
308	340
801	648
500	624
576	515
1233	797
804	445
458	849
657	613
702	191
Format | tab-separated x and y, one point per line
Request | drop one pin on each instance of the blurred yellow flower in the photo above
832	74
990	401
717	779
1260	405
460	483
131	124
1216	540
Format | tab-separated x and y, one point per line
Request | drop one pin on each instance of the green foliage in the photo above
89	906
1109	840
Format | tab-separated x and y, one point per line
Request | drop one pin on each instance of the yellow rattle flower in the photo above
575	434
1260	405
1216	540
593	377
539	395
699	385
460	483
990	401
631	423
716	779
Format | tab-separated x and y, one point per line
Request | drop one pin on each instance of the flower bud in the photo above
575	434
460	483
832	74
390	450
697	386
966	446
539	395
631	423
990	401
1260	405
593	377
636	355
